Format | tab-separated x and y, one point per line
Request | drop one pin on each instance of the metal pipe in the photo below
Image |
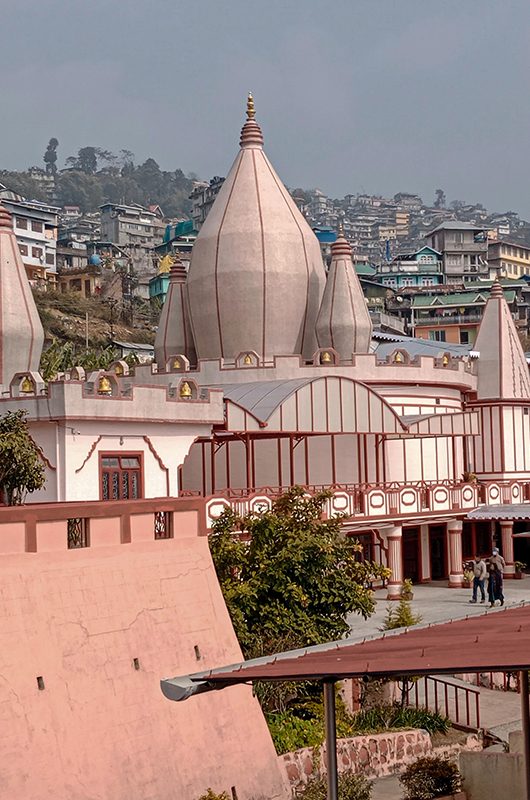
525	714
331	739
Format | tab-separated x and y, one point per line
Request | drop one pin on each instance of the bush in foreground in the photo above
391	717
351	787
431	777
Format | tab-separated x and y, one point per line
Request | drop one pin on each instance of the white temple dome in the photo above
256	277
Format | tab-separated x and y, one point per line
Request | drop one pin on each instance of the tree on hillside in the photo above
50	156
21	468
296	578
23	184
79	189
439	201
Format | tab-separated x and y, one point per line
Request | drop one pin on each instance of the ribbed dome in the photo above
256	277
21	333
174	335
344	321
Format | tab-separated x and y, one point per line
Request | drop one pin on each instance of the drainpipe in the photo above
331	739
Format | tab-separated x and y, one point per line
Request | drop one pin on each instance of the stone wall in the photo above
376	755
373	755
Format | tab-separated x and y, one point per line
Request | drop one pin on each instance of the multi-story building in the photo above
202	199
508	259
455	318
464	250
35	226
132	227
419	269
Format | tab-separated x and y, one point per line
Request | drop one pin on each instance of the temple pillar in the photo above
395	562
456	573
507	547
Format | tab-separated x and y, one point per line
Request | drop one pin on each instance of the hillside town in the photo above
426	270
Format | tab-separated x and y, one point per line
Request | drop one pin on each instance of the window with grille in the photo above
77	533
162	520
120	476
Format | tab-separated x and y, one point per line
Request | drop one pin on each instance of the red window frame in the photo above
120	471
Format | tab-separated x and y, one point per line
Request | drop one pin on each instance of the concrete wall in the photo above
99	727
493	775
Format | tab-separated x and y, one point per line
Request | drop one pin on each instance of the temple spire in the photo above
343	321
174	335
502	368
21	333
251	135
251	111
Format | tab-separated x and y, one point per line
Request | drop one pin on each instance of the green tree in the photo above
296	577
76	188
21	468
61	357
23	184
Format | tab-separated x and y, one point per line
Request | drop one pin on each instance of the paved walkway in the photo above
436	603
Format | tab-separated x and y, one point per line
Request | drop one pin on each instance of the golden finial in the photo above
177	364
251	111
118	370
398	358
341	228
104	385
325	358
26	387
248	359
445	360
185	391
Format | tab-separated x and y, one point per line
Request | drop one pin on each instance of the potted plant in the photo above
406	590
469	477
520	567
468	578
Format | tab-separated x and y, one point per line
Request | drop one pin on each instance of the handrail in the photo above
467	717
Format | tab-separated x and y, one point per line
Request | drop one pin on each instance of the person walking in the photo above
495	588
497	559
480	573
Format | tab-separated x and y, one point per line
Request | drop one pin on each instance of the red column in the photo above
507	547
395	562
456	574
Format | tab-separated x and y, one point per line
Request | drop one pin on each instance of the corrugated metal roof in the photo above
262	397
423	347
460	299
493	641
512	511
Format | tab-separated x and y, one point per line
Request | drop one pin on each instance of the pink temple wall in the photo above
77	618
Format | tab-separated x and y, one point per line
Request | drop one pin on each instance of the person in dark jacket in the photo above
495	589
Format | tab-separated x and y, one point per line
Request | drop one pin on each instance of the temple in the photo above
267	375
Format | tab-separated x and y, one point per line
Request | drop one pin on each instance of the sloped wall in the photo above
100	728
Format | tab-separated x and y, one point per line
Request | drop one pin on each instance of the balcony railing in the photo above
377	502
450	319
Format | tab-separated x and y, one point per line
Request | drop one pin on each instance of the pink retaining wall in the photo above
100	728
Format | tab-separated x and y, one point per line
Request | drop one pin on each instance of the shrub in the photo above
400	616
430	777
382	718
210	795
351	787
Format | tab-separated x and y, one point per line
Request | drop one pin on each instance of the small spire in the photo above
341	229
251	111
496	289
5	218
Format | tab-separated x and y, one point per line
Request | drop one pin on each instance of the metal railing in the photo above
460	703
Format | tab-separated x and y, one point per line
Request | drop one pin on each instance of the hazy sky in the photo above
352	95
